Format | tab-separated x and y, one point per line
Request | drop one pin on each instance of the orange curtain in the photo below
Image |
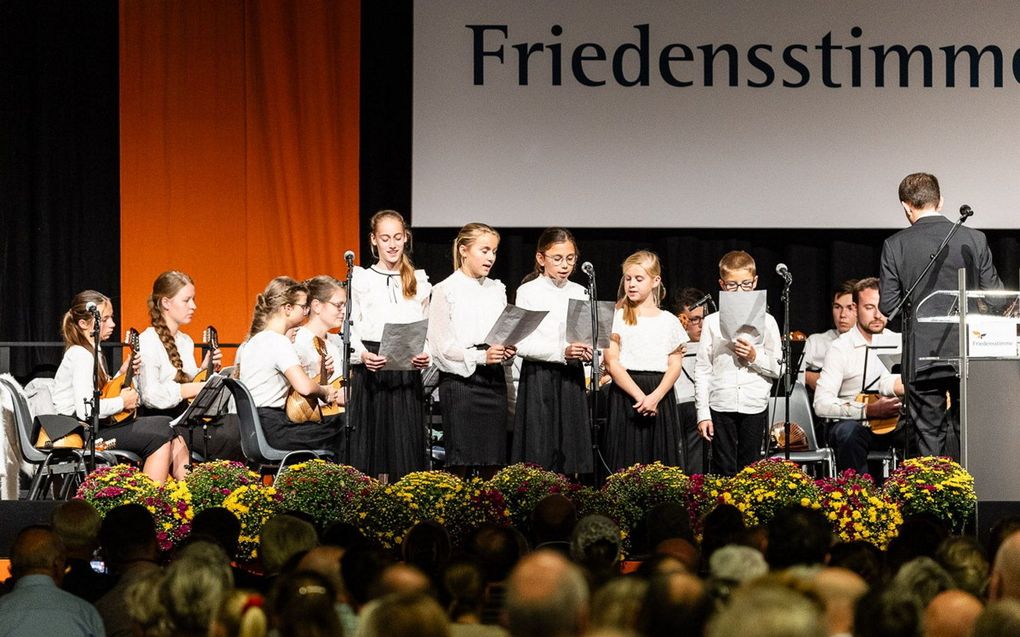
239	148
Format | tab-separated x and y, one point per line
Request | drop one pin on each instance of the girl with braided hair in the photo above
168	362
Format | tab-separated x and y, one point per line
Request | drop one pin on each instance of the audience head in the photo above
951	614
144	606
76	523
681	550
721	526
965	561
194	585
618	603
403	579
342	534
219	524
767	611
303	604
863	558
886	613
798	536
839	590
674	599
37	550
406	615
546	596
465	588
553	520
281	537
595	545
127	534
240	615
666	521
920	536
361	568
325	560
427	547
1003	528
1005	579
732	565
999	619
921	579
497	550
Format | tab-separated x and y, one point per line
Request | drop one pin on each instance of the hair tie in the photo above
252	601
312	589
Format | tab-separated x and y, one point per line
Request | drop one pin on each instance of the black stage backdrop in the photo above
819	259
59	174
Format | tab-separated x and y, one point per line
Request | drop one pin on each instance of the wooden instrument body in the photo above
116	385
332	409
302	409
212	343
879	426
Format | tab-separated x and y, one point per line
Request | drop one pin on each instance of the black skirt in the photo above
474	417
387	407
284	434
144	435
632	438
551	425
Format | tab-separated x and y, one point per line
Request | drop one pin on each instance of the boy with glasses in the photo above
691	312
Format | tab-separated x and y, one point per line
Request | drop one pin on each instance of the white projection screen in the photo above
712	113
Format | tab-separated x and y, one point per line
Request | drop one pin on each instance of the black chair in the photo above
802	414
262	456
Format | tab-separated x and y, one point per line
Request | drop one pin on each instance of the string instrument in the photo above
211	343
116	385
879	426
301	408
337	383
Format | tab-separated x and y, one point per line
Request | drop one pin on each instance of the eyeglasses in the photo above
732	286
339	306
570	259
695	320
303	306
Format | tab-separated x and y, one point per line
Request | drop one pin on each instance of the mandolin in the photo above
879	426
331	409
117	384
211	343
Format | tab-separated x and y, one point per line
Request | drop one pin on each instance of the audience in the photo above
406	615
76	523
546	596
127	537
1005	580
303	606
951	613
999	619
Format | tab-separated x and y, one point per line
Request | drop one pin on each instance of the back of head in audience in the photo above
281	537
240	614
194	585
595	545
921	579
798	536
128	533
76	523
342	534
839	590
497	550
553	521
964	559
732	565
303	604
547	596
361	568
999	619
465	587
325	560
1005	579
37	550
951	614
404	579
405	615
722	525
767	611
919	536
886	613
426	546
674	599
1003	528
667	521
863	558
617	605
219	524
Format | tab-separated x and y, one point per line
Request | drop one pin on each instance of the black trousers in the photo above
852	442
936	424
737	441
695	449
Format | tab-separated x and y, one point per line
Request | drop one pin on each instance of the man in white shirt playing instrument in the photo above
690	306
844	317
860	402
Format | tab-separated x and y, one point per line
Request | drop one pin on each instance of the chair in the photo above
260	454
889	459
68	464
800	413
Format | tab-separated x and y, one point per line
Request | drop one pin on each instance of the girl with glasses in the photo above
326	302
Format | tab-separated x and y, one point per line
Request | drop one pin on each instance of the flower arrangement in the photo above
431	495
632	492
211	482
109	487
704	493
858	510
523	486
588	501
761	489
328	492
935	485
172	512
253	505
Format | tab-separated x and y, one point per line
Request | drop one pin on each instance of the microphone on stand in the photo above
702	301
784	272
965	212
349	258
588	269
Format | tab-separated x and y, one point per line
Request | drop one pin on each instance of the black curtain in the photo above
60	203
818	258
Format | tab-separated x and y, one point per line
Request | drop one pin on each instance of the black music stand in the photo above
211	402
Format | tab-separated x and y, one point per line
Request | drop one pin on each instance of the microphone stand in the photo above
345	365
593	396
787	356
96	393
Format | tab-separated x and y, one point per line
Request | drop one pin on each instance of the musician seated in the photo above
844	316
852	368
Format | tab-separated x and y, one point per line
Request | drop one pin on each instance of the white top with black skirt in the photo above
646	346
548	342
461	313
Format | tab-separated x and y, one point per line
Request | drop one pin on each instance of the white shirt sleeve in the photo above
447	351
827	402
156	378
703	370
81	364
766	362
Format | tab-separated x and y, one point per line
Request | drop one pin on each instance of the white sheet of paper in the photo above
579	321
401	342
742	314
514	325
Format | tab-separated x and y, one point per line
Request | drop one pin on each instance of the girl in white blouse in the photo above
551	425
270	368
644	359
152	438
165	379
327	302
387	406
472	384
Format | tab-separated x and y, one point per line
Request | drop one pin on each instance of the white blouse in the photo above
73	385
377	298
646	346
267	355
156	382
548	342
461	313
304	344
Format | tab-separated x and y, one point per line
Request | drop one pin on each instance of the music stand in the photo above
211	402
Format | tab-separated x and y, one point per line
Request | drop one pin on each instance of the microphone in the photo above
588	269
349	258
702	301
784	272
965	212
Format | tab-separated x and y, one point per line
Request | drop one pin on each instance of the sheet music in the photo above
401	342
579	321
514	325
742	314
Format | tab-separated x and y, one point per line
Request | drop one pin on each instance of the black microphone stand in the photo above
787	358
345	365
593	396
97	392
